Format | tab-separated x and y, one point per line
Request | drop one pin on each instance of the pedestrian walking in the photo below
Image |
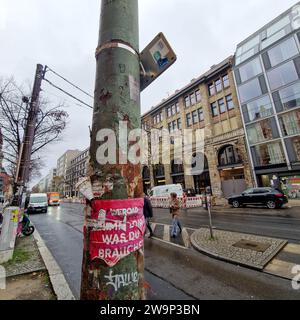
148	214
175	212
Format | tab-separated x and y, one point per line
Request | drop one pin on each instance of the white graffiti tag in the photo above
121	280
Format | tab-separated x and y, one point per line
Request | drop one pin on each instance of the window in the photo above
198	96
173	108
282	75
193	98
259	108
169	112
247	50
296	147
283	52
290	96
200	114
179	124
290	123
212	89
170	127
195	117
219	85
268	154
214	109
275	32
229	156
250	70
187	101
177	107
250	90
222	106
229	102
226	81
261	131
188	120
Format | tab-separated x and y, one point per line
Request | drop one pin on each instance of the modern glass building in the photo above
267	75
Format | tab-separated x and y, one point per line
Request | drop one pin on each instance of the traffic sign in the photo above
155	59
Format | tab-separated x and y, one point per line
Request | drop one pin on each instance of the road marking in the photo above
280	268
186	238
292	248
170	243
166	233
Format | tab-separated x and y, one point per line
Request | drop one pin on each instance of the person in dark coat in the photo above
148	214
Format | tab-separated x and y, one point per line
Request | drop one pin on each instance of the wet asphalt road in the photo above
185	274
61	229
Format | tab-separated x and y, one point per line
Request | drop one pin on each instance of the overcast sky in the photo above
63	34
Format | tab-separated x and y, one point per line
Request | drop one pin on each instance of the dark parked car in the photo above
272	198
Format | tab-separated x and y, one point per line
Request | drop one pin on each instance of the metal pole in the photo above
209	202
117	98
28	139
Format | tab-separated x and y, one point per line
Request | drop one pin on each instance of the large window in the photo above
189	120
262	131
195	117
275	32
200	114
250	90
212	89
219	85
229	102
257	109
290	123
187	101
247	50
214	109
226	82
250	70
284	51
198	96
229	156
268	154
222	106
282	75
290	96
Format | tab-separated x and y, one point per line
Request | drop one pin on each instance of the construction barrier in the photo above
164	202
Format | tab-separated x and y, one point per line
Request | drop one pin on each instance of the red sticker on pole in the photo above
117	229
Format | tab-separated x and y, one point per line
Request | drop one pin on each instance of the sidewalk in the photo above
239	248
26	275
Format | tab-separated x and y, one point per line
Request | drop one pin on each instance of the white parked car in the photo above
38	202
165	191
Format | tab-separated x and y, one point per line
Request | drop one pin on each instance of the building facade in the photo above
61	170
267	75
209	103
77	169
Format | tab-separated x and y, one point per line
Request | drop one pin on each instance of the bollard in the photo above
8	235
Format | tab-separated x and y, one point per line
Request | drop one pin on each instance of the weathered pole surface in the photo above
28	139
117	98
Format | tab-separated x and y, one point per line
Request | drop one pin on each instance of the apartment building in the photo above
209	103
77	169
267	75
62	164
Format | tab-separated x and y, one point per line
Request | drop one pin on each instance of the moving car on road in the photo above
272	198
38	202
53	199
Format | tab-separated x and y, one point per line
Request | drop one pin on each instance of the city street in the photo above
173	270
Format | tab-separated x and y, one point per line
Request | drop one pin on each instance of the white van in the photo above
38	202
165	191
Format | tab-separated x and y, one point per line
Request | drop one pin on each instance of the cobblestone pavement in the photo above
27	258
224	247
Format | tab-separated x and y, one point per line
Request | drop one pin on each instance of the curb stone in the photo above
57	279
